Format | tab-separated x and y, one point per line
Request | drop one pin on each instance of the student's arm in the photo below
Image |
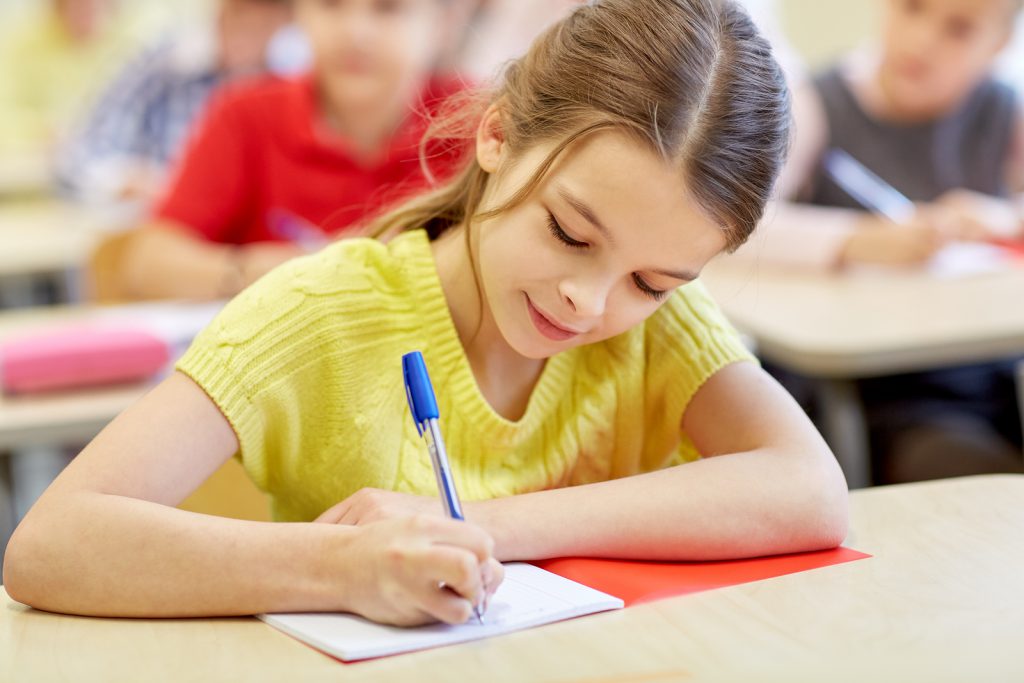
821	238
795	234
168	260
186	251
105	539
767	484
983	217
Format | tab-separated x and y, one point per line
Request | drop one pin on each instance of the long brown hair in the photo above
693	79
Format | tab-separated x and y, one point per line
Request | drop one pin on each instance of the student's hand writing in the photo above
879	241
373	505
980	217
419	569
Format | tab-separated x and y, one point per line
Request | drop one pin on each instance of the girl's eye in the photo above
656	294
561	235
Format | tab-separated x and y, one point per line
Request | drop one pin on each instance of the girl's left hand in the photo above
373	505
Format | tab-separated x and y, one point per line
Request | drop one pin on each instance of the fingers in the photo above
493	575
460	571
443	604
922	243
422	568
464	535
331	515
439	583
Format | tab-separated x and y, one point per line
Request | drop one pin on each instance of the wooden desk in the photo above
842	328
942	600
851	327
51	237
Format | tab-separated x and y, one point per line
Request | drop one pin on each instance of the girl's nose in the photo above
587	299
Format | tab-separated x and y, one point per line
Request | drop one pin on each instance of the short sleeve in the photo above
279	359
246	348
687	341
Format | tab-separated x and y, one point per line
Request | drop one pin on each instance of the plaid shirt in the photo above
141	120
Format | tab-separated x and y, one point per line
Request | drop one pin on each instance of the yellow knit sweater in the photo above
306	365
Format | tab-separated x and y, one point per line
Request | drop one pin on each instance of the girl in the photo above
594	402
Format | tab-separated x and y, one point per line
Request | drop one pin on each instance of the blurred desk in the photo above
49	236
941	600
41	430
843	328
74	417
24	174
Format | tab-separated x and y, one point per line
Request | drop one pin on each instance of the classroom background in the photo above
59	238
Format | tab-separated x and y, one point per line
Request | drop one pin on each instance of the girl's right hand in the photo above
419	569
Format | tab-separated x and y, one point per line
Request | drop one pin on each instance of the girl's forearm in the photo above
109	555
739	505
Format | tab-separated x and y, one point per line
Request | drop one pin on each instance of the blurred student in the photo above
922	112
52	59
278	166
124	146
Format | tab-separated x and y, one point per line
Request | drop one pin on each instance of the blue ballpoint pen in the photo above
423	405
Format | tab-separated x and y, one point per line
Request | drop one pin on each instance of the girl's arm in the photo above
105	539
767	484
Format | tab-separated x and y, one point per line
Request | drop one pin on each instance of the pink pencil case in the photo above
80	357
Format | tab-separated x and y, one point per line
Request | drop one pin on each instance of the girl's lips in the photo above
546	326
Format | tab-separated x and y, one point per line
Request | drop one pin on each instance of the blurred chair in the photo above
102	281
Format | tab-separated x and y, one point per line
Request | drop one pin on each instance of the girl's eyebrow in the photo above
589	215
685	275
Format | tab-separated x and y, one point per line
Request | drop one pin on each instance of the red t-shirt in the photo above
256	166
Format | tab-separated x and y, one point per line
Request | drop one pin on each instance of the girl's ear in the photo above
490	139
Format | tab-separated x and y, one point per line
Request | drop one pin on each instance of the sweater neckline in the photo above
447	349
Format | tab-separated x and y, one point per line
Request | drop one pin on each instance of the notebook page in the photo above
529	596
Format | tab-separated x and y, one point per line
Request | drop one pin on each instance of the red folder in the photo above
636	581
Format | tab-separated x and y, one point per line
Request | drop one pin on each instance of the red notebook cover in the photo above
635	581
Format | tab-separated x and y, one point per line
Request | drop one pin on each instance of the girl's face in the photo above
595	250
372	52
936	51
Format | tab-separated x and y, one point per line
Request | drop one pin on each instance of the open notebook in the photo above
529	596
